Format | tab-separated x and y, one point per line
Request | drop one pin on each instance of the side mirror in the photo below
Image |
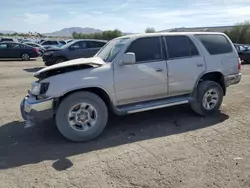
128	58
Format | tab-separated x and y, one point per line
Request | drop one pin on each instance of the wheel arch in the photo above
102	93
215	76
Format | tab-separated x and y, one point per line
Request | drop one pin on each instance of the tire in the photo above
59	60
47	63
204	88
72	133
25	57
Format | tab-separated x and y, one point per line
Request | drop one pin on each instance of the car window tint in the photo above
83	44
3	46
215	44
146	49
180	46
193	49
95	44
46	43
79	45
62	42
53	42
13	46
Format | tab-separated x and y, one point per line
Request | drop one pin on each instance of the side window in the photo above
53	43
3	46
180	46
193	49
215	44
95	44
79	45
46	43
146	49
83	44
14	46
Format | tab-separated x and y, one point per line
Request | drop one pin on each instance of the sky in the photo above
126	15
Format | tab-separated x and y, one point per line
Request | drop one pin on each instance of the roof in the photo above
97	40
167	33
190	29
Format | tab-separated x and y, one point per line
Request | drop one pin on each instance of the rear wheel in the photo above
25	57
59	60
208	98
82	116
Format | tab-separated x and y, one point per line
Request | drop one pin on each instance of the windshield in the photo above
111	49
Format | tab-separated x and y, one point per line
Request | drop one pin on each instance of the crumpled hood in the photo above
93	61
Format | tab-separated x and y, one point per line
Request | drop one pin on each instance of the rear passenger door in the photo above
185	64
93	47
78	50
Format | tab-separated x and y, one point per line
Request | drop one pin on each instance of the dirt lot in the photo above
170	147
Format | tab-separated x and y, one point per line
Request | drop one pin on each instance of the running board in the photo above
150	105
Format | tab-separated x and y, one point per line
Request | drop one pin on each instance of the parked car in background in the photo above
73	50
131	74
25	40
51	43
245	56
7	40
244	52
38	46
17	50
62	42
70	40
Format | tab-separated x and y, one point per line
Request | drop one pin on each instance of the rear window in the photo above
215	44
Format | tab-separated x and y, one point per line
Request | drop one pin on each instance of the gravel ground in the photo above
170	147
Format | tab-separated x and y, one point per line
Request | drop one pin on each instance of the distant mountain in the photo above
67	32
7	32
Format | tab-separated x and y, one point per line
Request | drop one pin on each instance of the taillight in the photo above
36	50
239	64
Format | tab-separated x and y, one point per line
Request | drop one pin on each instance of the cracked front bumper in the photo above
35	111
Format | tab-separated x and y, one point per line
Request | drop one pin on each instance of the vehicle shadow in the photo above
35	69
21	146
14	60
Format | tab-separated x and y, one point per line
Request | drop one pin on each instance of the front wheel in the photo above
81	116
208	98
59	60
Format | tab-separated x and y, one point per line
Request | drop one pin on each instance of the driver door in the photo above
78	50
147	78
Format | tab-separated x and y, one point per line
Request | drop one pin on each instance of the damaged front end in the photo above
38	105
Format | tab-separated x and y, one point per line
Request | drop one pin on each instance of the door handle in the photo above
158	70
199	65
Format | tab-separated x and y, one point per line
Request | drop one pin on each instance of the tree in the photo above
105	35
150	30
240	33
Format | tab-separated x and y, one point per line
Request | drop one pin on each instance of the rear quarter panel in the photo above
226	63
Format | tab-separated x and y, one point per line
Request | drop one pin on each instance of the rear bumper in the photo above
35	111
233	79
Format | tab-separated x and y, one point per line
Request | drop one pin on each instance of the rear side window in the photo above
215	44
46	43
95	44
180	46
53	43
146	49
3	46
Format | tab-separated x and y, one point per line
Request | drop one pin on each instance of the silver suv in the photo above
133	74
